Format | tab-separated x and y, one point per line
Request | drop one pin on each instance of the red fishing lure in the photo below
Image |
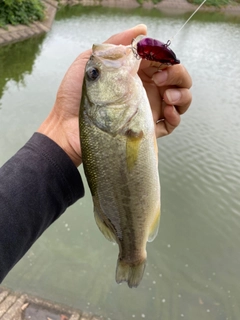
155	50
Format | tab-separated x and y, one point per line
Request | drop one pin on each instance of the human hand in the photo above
62	124
168	93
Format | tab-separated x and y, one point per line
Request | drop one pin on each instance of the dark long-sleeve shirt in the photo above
36	186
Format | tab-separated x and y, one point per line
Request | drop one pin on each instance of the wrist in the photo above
54	128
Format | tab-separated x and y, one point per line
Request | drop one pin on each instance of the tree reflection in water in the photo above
17	60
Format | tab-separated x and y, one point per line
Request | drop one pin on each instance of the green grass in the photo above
20	11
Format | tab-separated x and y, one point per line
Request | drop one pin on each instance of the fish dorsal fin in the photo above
154	227
106	231
132	147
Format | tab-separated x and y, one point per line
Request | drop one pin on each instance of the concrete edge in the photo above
23	32
164	5
14	305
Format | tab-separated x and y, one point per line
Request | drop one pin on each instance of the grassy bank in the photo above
20	11
16	12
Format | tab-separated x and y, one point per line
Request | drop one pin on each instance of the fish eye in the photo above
92	73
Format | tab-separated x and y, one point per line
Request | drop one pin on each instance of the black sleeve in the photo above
36	186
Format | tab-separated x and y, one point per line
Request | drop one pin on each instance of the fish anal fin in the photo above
132	147
132	274
153	231
106	231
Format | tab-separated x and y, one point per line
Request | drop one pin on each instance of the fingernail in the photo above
160	77
173	95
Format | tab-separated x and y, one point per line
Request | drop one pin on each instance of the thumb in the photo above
126	36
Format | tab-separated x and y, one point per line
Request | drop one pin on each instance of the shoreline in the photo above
22	32
164	5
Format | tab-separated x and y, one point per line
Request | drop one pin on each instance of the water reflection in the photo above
17	60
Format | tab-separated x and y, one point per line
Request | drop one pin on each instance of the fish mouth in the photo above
110	51
116	56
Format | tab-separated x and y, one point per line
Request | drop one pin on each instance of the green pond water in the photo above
193	269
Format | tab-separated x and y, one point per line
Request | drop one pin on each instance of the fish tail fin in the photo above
132	274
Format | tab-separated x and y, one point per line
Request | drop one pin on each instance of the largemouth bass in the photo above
120	156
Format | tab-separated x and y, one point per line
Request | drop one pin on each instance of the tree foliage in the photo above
20	11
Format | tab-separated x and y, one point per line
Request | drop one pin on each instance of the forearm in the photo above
36	186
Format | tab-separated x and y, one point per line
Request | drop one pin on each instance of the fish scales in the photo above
120	159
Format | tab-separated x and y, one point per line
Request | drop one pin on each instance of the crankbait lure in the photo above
155	50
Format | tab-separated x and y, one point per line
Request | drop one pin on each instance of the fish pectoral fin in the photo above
132	274
132	147
154	227
106	231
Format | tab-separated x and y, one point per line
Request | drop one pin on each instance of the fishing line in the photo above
170	41
155	50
